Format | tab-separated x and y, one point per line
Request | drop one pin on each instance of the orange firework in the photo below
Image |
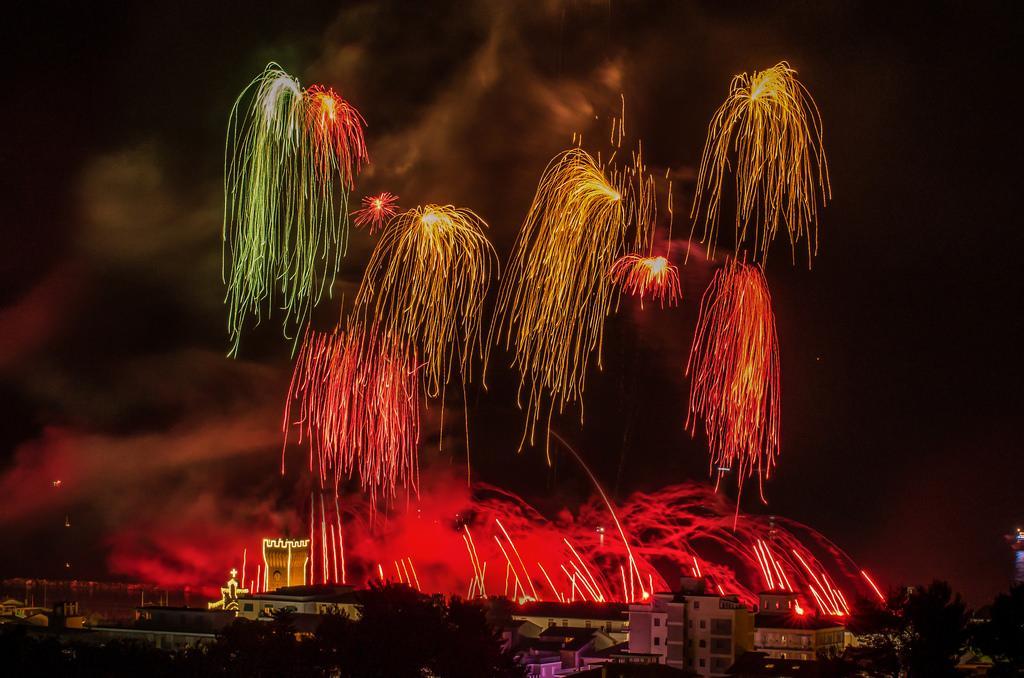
734	364
376	211
358	404
335	130
652	277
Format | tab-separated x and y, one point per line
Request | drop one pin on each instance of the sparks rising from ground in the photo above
487	541
283	234
425	286
358	409
377	210
734	371
558	291
652	277
773	124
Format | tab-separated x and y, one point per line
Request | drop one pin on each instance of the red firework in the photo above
487	541
648	276
358	406
336	132
734	365
377	210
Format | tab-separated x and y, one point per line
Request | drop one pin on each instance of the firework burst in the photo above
283	232
652	277
376	211
552	305
425	286
734	370
358	407
771	122
335	131
485	540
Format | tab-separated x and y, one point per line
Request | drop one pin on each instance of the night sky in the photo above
901	369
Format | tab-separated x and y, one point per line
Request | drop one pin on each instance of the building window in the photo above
702	662
565	622
247	607
703	643
657	621
703	623
721	627
721	646
696	604
657	640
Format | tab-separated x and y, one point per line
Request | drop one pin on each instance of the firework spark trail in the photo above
773	125
552	305
376	211
684	528
734	370
425	285
358	407
283	233
648	276
874	587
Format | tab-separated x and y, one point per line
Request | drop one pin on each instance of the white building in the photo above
691	629
784	631
317	599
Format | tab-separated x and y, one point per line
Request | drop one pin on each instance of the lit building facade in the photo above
300	600
691	630
782	630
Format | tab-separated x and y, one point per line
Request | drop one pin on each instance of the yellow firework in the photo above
553	302
425	284
771	124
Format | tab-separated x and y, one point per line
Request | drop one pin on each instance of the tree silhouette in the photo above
935	631
1002	637
255	648
402	633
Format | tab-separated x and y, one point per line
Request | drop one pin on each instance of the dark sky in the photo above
900	350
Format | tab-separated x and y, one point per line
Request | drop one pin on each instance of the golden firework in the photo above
425	285
552	304
772	125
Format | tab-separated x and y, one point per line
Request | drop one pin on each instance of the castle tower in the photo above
284	563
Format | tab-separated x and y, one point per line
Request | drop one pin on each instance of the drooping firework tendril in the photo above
768	131
357	407
290	159
425	285
552	304
734	372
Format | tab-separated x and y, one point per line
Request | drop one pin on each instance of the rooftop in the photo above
790	620
579	610
327	593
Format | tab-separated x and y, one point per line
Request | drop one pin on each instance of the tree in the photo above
935	631
401	633
470	646
255	648
880	631
1002	637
